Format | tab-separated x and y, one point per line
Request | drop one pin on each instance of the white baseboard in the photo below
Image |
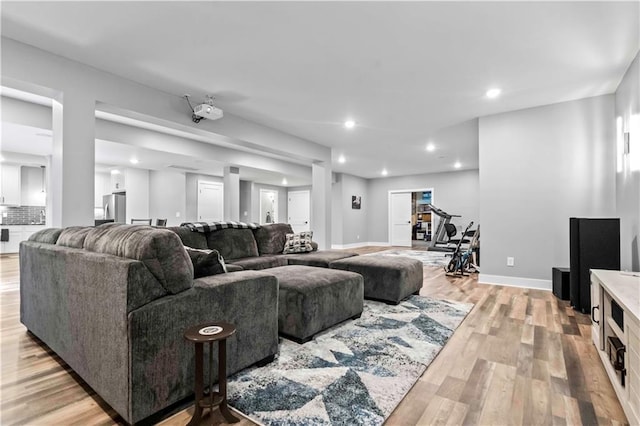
515	281
357	245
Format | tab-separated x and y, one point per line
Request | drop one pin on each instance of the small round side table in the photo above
210	333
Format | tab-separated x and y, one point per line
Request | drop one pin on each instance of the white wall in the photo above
349	226
245	201
167	196
539	167
453	192
137	187
627	101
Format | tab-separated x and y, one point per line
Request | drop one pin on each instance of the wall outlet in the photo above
177	214
510	261
245	214
357	237
4	214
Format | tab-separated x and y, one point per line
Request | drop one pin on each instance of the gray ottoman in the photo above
321	258
313	299
386	278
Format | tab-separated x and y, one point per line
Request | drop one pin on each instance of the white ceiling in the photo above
406	72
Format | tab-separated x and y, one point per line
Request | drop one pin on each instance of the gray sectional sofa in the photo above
113	301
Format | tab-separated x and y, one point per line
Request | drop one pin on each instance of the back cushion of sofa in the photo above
196	240
160	250
48	236
271	238
233	243
73	236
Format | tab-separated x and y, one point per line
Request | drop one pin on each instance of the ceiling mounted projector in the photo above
208	111
204	110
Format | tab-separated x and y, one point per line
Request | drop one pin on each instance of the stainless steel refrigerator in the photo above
115	207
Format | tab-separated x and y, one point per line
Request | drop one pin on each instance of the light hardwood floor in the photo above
521	357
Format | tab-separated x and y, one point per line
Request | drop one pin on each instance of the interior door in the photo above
299	208
210	201
400	219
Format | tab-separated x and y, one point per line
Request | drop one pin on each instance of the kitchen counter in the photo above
8	225
18	233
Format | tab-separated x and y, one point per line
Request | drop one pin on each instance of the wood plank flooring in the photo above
521	357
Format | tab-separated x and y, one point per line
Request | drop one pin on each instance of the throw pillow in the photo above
206	262
298	243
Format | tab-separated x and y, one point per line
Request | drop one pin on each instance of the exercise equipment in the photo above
444	232
461	263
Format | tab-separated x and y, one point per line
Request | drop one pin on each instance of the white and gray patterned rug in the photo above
428	258
353	374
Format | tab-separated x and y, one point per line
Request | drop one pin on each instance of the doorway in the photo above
299	208
210	201
268	206
410	219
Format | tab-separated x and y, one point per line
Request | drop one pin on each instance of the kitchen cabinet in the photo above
117	182
18	233
615	315
9	185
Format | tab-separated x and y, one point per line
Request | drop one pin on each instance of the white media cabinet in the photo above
615	300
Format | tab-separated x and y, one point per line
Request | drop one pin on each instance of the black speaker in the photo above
594	244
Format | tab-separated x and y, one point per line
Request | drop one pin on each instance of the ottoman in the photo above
313	299
320	258
386	278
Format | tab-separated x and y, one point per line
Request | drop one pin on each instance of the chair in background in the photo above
161	222
141	221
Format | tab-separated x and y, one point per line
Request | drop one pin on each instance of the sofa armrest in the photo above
77	302
162	361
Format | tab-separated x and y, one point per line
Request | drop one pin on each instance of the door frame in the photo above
275	213
398	191
308	191
208	182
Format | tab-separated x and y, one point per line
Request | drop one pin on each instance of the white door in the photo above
400	219
299	209
210	199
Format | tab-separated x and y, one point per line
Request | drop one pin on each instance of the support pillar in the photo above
73	160
231	193
321	204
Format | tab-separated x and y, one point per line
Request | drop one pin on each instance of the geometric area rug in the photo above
354	373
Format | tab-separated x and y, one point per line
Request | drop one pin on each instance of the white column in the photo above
73	160
231	193
321	204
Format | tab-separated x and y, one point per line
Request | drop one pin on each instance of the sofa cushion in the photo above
48	236
298	243
73	236
260	262
206	262
271	238
189	238
233	243
320	258
159	249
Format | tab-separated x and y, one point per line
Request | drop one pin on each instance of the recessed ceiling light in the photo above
115	172
349	124
284	181
384	172
341	159
431	147
457	165
134	161
493	93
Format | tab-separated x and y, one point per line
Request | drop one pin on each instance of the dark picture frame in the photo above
356	202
